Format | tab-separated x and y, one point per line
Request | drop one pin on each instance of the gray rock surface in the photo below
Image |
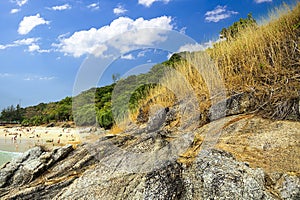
289	187
144	166
233	105
156	122
21	169
217	175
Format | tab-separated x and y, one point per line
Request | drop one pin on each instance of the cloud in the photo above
2	47
27	41
23	42
29	23
128	57
38	78
45	78
4	75
20	3
262	1
119	10
61	36
36	48
142	53
182	30
219	13
15	10
62	7
93	6
31	43
148	3
33	47
194	47
92	41
198	47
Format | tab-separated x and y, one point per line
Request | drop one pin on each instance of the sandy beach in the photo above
20	139
16	140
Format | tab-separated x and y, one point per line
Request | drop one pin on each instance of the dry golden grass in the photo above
263	60
116	129
189	156
259	52
262	143
184	82
271	145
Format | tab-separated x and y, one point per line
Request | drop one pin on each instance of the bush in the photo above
105	116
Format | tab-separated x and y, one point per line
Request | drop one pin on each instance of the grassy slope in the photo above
264	61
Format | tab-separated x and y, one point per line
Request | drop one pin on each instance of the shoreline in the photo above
20	139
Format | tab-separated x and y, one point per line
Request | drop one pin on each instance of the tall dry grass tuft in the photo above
194	79
264	60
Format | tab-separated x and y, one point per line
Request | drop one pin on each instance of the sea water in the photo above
6	156
12	148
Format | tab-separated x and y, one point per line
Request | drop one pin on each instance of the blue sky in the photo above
45	44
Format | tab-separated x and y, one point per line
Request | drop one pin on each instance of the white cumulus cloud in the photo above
92	41
5	46
262	1
15	10
27	41
30	22
93	6
148	3
36	48
31	44
219	13
128	57
19	2
62	7
119	10
23	42
33	47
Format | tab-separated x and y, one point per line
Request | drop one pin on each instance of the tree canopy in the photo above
233	30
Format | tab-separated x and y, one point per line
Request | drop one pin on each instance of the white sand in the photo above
54	136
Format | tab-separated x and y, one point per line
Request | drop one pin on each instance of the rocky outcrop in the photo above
28	176
217	175
181	164
233	105
175	154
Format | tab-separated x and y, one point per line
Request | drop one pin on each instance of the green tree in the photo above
12	114
233	30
